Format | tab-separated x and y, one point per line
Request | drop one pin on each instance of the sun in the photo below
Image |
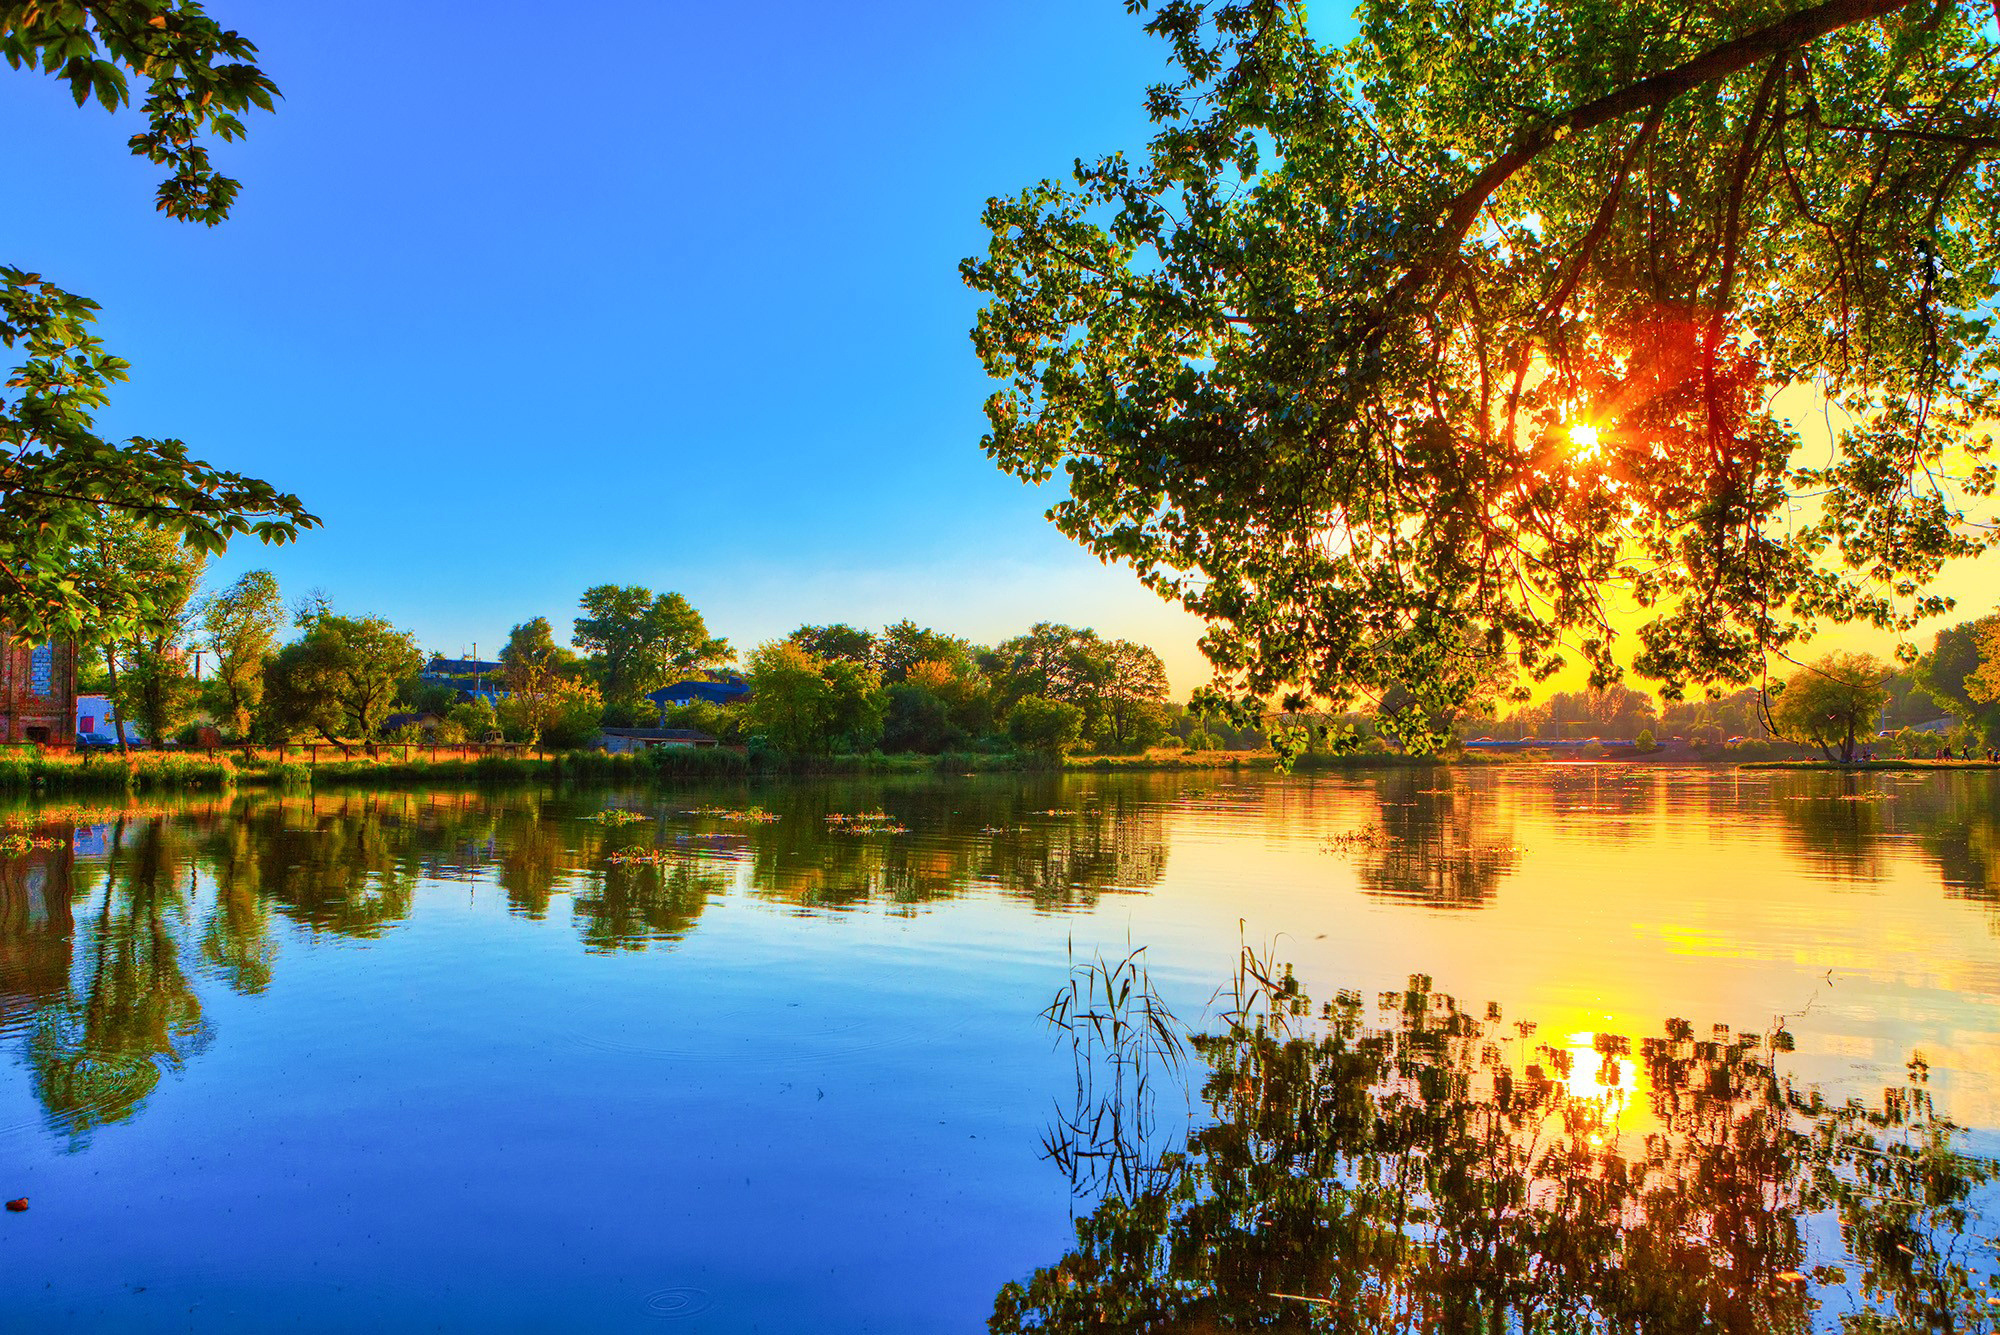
1583	436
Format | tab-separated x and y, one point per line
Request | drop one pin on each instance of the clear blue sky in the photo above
521	299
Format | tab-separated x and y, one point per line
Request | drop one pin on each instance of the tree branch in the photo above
1737	54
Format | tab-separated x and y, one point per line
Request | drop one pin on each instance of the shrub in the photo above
1044	727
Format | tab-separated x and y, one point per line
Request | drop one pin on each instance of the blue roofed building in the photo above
728	690
450	669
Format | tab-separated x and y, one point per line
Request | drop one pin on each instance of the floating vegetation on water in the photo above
1351	841
1840	797
745	815
642	857
616	816
864	822
15	842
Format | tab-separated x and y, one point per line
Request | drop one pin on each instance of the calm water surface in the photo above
736	1060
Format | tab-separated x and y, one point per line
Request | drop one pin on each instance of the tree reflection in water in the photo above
98	1051
1440	843
1437	1170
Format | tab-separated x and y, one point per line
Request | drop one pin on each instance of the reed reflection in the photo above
1433	1169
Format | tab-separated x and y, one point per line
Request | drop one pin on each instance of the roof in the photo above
712	692
395	721
458	667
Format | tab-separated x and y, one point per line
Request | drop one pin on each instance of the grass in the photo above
31	770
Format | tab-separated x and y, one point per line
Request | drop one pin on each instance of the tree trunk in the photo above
117	709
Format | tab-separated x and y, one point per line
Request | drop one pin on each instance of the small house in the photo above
98	725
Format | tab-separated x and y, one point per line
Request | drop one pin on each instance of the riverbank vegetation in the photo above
352	699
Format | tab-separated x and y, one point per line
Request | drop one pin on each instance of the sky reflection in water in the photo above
483	1059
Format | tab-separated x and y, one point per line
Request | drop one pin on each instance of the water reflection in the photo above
113	919
130	1012
1440	843
1433	1169
111	915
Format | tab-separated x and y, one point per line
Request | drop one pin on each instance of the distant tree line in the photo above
1839	704
836	688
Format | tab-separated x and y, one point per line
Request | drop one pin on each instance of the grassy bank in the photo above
1880	766
27	770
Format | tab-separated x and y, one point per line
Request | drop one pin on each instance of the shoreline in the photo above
33	775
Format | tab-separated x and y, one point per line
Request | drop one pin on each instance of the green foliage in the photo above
1044	727
1958	674
1645	743
340	678
473	720
199	80
1466	332
900	647
240	624
57	476
837	642
1120	687
140	580
1833	703
545	701
557	713
722	722
1617	712
919	719
640	641
802	704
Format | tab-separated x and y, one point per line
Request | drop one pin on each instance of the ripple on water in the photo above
678	1302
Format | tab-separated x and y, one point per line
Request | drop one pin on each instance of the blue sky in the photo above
663	296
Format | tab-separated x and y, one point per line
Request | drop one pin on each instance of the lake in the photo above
1516	1047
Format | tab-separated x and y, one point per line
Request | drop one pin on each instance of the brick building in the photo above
37	691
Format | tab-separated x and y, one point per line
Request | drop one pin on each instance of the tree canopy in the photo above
56	474
241	625
1833	703
339	679
640	640
1467	331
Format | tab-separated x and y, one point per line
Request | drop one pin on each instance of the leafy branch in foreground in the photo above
56	473
1401	359
199	79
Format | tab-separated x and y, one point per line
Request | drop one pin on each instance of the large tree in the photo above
139	581
1949	674
57	475
543	695
339	678
639	640
1132	696
1470	327
1833	703
810	705
241	626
